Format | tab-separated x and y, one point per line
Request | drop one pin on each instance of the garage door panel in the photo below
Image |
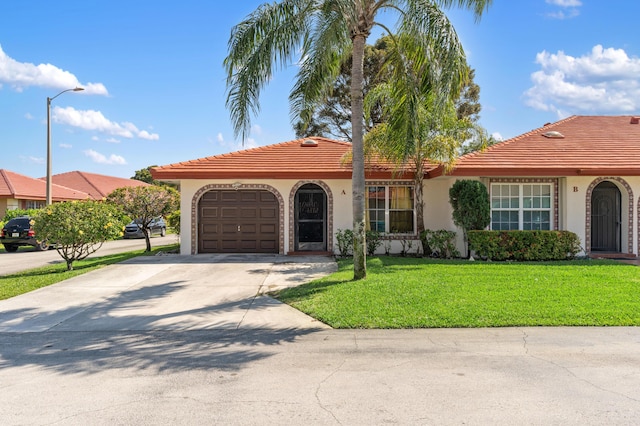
209	213
228	212
249	196
210	228
227	196
248	228
268	213
267	197
210	245
268	229
243	221
248	213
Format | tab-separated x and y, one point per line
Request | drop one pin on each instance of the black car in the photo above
156	227
18	232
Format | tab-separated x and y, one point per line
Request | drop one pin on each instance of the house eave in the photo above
538	171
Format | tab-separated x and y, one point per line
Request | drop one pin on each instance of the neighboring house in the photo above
97	186
580	174
23	192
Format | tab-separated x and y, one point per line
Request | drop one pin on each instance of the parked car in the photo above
156	227
18	232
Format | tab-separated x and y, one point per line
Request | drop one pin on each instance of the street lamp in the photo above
75	89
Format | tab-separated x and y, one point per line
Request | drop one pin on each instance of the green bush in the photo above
10	214
439	243
373	242
173	219
345	242
524	245
77	228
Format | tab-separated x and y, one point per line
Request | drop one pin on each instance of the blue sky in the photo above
155	85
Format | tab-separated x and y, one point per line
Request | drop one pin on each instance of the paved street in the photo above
11	263
173	339
530	376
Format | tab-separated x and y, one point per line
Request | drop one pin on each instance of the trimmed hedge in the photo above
524	245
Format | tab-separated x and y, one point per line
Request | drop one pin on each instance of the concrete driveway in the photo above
169	292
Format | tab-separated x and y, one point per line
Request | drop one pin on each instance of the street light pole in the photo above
49	178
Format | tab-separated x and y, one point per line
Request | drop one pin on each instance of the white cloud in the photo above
571	6
220	138
562	15
112	140
497	136
31	159
602	81
102	159
95	120
20	75
565	3
250	143
28	116
65	146
256	130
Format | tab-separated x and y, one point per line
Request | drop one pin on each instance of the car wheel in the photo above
11	248
42	245
163	232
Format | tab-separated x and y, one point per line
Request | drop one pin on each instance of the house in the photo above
96	185
23	192
579	174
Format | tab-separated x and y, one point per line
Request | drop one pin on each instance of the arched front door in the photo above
605	218
310	218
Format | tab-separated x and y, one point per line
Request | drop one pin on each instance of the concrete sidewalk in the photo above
169	292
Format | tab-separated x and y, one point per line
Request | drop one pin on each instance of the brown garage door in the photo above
243	221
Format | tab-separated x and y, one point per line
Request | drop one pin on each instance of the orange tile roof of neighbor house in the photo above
308	158
15	185
97	186
578	145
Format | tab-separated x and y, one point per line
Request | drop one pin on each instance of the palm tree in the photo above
321	34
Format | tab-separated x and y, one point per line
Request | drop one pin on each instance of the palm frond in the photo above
270	37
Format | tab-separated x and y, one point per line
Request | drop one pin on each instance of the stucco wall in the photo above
574	206
573	198
339	194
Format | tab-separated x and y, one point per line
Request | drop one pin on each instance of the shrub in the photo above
173	219
373	242
440	243
471	210
524	245
78	228
345	242
12	214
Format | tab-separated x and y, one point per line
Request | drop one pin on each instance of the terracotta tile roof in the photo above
318	158
584	145
97	186
21	187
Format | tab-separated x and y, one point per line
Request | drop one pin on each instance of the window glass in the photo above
522	206
390	209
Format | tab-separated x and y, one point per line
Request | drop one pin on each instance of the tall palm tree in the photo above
321	34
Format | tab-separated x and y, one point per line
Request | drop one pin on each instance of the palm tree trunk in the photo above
357	178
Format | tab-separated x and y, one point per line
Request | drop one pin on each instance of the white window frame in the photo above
521	209
387	205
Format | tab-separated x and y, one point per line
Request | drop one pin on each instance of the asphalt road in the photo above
24	259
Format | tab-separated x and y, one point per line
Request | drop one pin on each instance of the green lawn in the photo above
418	293
32	279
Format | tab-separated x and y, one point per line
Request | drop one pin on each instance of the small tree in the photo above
77	228
471	209
144	203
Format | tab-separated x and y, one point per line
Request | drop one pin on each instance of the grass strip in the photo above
32	279
425	293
